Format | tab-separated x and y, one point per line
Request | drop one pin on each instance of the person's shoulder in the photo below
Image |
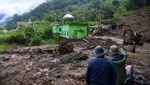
120	54
98	60
92	60
106	61
102	59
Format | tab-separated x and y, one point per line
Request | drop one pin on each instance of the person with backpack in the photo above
100	71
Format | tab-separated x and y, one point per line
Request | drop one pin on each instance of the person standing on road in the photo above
100	71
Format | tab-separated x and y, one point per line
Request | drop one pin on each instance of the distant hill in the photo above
2	16
60	7
4	19
2	24
83	10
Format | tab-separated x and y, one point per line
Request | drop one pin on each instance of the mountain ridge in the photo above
83	10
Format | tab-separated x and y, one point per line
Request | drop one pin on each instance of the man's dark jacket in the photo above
100	72
117	57
119	64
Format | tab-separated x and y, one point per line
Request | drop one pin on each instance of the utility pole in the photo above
101	7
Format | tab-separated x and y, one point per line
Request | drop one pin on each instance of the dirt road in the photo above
117	40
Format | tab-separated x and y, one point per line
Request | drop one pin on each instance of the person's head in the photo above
114	49
99	52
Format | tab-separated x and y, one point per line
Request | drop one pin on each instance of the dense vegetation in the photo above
36	33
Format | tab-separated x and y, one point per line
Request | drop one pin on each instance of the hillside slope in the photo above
139	21
83	10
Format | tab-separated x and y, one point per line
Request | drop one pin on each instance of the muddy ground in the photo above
41	65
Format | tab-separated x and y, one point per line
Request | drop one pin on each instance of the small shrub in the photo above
5	38
18	38
35	41
4	47
51	41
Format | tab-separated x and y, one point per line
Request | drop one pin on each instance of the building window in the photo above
63	33
59	29
67	33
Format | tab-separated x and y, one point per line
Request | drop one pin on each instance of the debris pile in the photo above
65	48
138	21
42	65
37	69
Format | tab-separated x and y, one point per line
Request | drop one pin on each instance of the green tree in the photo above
136	4
116	3
50	16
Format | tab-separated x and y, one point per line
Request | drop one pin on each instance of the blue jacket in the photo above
100	72
117	57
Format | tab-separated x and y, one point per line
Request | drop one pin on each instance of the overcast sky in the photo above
11	7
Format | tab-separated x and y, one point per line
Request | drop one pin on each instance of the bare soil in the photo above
138	21
40	65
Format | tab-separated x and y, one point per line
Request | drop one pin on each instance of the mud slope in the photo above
138	21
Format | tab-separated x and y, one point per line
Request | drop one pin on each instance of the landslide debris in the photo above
139	21
42	65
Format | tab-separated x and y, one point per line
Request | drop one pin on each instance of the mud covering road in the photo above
41	65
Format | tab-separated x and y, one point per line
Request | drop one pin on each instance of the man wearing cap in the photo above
100	71
116	55
119	57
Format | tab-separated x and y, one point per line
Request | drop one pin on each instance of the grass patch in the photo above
51	41
4	47
4	38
